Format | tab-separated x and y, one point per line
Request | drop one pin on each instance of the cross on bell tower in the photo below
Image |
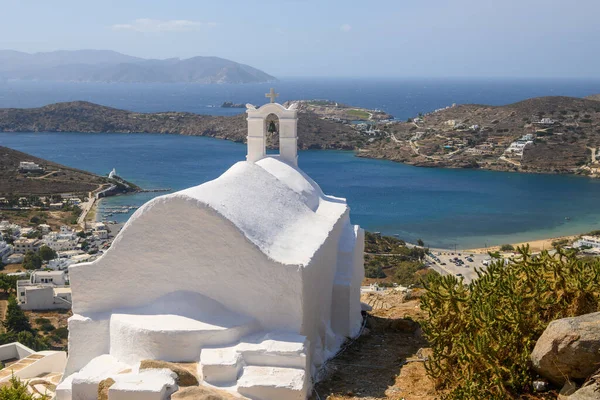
272	95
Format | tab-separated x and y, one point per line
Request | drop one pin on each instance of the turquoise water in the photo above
444	207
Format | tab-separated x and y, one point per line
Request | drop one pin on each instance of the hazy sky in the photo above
388	38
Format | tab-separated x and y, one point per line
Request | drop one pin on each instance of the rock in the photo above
567	390
103	387
569	348
184	376
201	393
589	392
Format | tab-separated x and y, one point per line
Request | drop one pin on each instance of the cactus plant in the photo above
482	334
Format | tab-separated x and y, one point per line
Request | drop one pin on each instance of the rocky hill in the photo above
52	179
110	66
545	134
313	132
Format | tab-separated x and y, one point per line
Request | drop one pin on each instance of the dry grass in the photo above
58	318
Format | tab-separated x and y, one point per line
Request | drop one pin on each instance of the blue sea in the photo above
444	207
403	98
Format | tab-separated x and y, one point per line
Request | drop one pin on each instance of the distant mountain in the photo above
110	66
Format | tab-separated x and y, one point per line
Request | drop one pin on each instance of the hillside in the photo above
110	66
313	132
545	134
54	179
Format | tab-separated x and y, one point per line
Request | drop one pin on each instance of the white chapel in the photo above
253	277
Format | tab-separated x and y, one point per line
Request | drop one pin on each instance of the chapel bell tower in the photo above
288	130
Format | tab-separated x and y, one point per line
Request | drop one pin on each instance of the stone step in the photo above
273	383
153	384
224	365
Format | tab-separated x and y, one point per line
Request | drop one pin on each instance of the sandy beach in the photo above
534	245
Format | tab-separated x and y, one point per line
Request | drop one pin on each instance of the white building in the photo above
5	251
59	264
64	240
6	226
27	231
24	245
266	289
41	370
44	290
588	241
29	166
15	258
44	228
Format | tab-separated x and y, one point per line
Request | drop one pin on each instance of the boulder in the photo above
185	377
567	390
589	392
569	348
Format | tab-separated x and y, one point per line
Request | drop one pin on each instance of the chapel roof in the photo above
275	205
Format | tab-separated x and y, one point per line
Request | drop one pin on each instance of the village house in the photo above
14	229
5	251
23	245
15	258
29	166
44	228
27	231
588	241
65	239
44	290
266	286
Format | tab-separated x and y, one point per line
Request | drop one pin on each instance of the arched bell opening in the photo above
272	130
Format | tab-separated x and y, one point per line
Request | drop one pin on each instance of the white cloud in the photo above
146	25
346	28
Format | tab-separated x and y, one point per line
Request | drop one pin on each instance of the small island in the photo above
229	104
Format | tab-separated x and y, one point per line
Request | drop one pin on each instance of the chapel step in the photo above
172	338
224	365
153	384
83	385
273	383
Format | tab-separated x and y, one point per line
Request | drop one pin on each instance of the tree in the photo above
420	242
16	321
17	390
32	261
507	247
47	253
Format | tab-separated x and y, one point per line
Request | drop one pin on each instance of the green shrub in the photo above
17	390
41	321
62	332
507	247
482	334
373	270
47	327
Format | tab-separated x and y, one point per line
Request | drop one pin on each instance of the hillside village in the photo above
547	134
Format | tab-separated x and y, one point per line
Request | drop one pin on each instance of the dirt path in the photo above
384	363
